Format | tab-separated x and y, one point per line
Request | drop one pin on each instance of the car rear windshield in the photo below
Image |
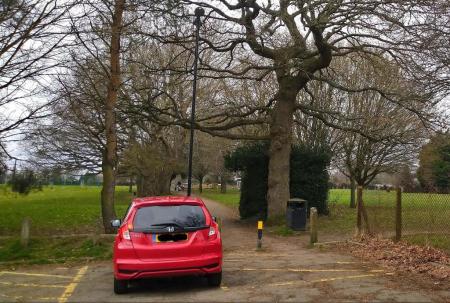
181	215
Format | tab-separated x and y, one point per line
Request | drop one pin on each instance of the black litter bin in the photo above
296	213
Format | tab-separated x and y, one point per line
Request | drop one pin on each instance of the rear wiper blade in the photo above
191	228
166	224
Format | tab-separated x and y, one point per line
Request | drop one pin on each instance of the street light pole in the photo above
199	12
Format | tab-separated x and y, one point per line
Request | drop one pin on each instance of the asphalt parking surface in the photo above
285	270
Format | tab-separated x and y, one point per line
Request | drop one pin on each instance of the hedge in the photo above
308	177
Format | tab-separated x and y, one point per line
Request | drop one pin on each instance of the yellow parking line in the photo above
46	298
71	287
292	269
22	298
11	297
32	274
31	285
323	280
254	254
343	278
288	283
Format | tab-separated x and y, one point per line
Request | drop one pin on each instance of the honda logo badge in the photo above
170	228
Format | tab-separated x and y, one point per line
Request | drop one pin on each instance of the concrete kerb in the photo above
105	236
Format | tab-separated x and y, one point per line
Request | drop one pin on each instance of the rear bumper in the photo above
126	269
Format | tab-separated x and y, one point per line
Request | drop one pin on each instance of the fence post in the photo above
313	224
398	215
25	232
359	209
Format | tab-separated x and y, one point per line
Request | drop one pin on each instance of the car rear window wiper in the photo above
166	224
192	228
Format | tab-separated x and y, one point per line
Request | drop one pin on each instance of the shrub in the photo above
24	182
308	177
252	161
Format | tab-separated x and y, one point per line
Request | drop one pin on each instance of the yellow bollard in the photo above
260	232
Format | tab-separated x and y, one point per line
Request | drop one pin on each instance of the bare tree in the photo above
76	136
109	161
389	135
290	42
209	160
31	42
90	93
73	136
153	159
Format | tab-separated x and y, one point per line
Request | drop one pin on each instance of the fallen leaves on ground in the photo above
402	256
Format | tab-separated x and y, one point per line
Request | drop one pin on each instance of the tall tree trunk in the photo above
280	150
362	211
139	185
107	194
155	183
223	183
109	164
200	185
352	192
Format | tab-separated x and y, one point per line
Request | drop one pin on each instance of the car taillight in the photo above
126	234
212	231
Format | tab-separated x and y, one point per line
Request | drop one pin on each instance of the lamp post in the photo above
199	12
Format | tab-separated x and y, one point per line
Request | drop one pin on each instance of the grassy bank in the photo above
57	210
44	250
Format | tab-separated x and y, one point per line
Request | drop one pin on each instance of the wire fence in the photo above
420	218
381	207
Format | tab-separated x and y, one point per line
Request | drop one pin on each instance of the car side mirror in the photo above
116	223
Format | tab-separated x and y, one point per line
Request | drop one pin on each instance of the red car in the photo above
166	237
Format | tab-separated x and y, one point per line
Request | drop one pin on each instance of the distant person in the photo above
179	186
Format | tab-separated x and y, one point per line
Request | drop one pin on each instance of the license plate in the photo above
167	238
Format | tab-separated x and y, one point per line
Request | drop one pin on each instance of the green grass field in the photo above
54	211
57	210
76	210
421	212
231	198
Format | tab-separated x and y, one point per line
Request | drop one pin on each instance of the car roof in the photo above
169	200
